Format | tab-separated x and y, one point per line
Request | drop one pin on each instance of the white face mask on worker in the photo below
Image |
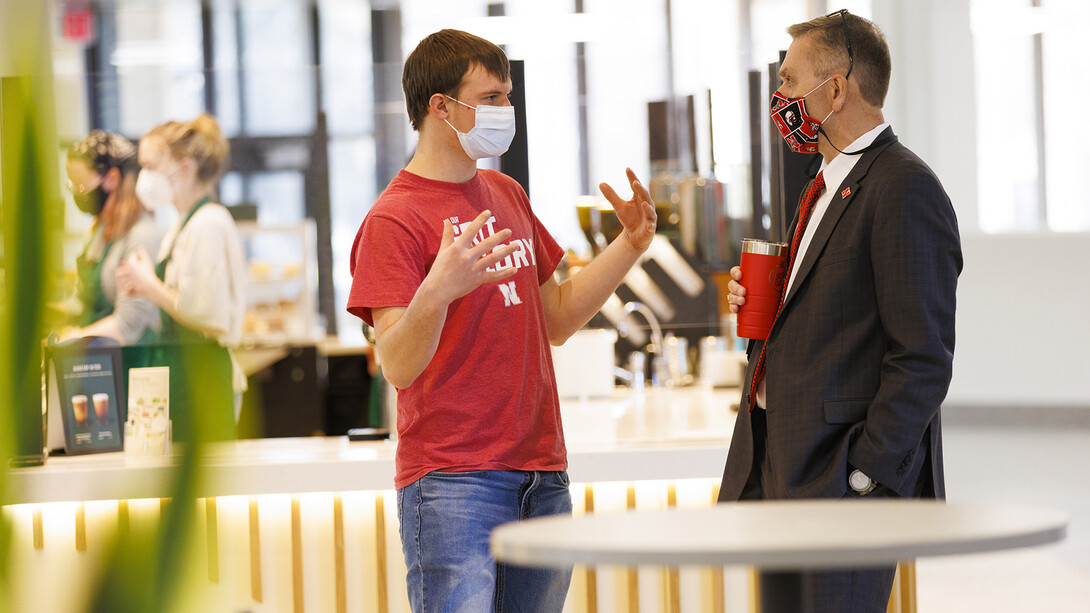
154	189
492	133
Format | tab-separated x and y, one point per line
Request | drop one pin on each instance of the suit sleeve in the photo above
916	258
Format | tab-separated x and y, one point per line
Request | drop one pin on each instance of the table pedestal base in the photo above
794	592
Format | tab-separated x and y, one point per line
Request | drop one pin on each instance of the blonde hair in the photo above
200	140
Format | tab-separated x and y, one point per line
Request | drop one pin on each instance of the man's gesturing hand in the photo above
461	267
637	215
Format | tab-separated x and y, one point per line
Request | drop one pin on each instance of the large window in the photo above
592	67
156	57
149	62
1029	131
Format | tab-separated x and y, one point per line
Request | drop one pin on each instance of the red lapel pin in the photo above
847	192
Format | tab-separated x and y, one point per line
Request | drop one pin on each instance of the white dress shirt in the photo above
834	173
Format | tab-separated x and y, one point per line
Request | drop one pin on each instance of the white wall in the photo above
1023	326
1023	322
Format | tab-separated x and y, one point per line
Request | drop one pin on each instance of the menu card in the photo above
147	431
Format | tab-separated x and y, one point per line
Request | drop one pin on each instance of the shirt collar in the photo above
835	171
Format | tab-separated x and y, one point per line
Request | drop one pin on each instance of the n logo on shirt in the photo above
509	295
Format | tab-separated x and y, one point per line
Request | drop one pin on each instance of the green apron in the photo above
95	303
172	331
202	403
89	275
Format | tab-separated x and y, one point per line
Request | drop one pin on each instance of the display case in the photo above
282	284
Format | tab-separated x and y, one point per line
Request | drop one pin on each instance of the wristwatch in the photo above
861	483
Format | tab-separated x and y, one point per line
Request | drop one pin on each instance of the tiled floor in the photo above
1043	466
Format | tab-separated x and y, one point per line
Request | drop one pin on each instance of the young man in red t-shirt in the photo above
455	273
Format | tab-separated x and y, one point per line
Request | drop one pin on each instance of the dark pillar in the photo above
390	144
516	162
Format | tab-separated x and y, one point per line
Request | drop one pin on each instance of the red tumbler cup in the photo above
764	271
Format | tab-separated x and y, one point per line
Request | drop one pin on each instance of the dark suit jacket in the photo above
859	359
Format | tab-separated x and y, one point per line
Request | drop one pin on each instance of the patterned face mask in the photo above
796	126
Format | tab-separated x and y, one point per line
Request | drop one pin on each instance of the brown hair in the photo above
200	140
102	152
870	52
438	64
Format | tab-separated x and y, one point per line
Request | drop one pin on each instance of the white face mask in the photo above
492	133
153	189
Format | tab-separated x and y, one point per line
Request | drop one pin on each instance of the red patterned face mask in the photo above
797	127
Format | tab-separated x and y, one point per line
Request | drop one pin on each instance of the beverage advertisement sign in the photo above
89	398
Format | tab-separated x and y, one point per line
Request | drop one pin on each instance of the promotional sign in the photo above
85	399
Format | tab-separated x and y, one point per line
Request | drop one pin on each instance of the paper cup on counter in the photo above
764	271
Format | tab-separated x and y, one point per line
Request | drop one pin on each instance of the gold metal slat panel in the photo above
381	568
39	531
339	580
297	556
81	528
632	573
255	551
592	574
211	521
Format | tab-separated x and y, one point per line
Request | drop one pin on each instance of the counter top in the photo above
255	357
657	434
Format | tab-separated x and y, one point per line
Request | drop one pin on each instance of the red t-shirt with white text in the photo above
487	400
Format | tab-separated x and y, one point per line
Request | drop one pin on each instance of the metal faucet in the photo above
659	371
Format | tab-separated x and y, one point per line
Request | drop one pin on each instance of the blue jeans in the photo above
446	519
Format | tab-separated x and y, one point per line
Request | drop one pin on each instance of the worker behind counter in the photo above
102	169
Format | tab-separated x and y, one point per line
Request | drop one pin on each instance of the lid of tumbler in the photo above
762	247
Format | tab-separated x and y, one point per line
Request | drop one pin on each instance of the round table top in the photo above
779	534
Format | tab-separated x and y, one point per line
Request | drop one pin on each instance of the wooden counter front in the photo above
310	524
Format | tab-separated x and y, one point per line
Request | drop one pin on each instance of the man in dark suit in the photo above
842	399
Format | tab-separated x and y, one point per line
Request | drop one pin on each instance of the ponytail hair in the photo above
118	219
200	140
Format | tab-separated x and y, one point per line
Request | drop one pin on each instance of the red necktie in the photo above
806	207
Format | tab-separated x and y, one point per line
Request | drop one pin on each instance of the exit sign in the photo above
77	23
